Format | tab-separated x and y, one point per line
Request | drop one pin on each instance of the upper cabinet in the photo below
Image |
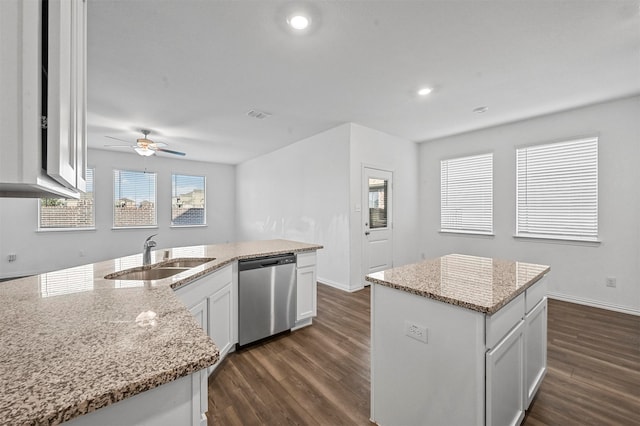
43	98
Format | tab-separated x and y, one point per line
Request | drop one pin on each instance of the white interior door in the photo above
377	220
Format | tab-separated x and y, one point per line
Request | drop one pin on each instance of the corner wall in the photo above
373	148
578	271
301	192
39	252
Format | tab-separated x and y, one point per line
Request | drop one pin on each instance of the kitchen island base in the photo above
438	363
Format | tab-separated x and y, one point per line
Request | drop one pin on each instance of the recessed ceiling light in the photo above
298	22
425	91
481	109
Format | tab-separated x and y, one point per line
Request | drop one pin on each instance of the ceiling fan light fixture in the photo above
145	152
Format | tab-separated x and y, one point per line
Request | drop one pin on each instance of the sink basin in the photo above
147	274
187	262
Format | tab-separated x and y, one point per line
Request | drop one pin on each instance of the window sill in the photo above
204	225
45	230
118	228
466	233
557	240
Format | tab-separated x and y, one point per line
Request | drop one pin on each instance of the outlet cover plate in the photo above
416	331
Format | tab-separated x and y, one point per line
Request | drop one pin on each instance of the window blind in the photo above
188	200
134	199
466	194
60	213
557	190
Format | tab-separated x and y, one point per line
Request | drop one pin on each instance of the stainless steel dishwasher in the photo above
266	297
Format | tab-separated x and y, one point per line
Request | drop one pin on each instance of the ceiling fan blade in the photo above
170	151
121	140
119	146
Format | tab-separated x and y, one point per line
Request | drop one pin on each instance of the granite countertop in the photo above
70	342
478	283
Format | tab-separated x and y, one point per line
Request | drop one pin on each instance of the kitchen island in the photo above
73	342
457	340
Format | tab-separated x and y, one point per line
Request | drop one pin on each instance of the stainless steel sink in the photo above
160	270
187	262
146	274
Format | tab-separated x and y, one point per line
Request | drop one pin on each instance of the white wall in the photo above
373	148
45	251
578	271
301	192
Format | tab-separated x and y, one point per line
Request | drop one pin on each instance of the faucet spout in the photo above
146	249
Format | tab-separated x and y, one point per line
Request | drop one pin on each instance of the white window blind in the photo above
134	199
466	194
60	213
188	200
557	190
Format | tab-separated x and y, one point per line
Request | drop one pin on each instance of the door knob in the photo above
367	233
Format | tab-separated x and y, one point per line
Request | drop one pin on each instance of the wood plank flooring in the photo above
319	375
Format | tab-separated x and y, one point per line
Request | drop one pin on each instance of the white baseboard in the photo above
594	303
339	286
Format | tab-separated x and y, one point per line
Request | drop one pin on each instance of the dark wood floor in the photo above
319	375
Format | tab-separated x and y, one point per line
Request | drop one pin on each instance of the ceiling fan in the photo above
144	146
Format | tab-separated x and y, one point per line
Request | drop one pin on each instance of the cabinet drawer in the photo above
305	259
535	293
499	324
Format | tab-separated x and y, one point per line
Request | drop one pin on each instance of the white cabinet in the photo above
222	318
535	355
307	288
212	300
472	368
42	114
505	379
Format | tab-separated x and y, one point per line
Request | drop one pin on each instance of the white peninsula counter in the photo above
457	340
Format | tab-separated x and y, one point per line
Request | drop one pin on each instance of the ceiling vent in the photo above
258	114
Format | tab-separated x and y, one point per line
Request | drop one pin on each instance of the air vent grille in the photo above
260	115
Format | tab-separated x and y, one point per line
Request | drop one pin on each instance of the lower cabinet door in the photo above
306	293
221	319
199	312
535	355
505	380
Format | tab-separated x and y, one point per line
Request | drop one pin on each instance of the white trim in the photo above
45	230
337	285
594	303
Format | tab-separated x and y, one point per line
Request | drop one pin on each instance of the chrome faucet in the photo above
146	254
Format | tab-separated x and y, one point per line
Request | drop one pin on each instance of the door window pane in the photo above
377	203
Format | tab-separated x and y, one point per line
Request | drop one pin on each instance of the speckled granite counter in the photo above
70	343
478	283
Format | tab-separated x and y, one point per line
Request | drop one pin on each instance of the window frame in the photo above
466	231
204	215
72	229
559	238
113	200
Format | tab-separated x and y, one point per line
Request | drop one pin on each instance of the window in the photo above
60	213
187	200
466	194
377	203
557	190
134	199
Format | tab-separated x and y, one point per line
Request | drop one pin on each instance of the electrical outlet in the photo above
415	331
611	281
12	257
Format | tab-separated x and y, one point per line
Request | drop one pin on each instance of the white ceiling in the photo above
190	70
